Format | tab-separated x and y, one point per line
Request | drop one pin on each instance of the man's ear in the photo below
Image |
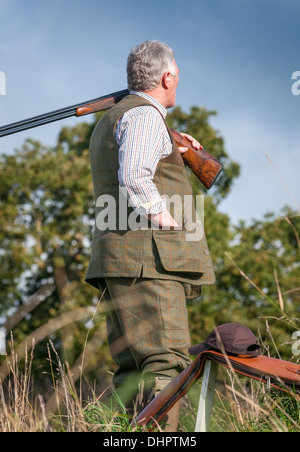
166	80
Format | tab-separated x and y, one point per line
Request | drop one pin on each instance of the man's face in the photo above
172	87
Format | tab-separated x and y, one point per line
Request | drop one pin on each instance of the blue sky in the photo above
235	56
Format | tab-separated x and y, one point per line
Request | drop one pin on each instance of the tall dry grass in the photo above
240	404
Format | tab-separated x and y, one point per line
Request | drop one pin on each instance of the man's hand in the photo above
196	145
163	220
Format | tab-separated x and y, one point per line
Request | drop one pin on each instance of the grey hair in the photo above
146	64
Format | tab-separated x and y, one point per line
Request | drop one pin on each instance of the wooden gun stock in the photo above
205	167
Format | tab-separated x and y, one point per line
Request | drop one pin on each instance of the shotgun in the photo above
206	167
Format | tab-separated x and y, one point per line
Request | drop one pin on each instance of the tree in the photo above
258	283
46	216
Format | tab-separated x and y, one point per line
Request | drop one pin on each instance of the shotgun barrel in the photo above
57	115
206	167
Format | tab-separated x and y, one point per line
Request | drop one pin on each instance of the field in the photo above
240	404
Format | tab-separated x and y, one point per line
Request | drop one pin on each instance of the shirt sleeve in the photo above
143	140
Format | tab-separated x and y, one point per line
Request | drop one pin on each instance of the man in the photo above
147	272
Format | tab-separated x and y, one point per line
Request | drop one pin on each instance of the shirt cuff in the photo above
155	206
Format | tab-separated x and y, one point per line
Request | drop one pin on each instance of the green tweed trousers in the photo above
147	327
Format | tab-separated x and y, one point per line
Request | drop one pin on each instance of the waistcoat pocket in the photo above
177	254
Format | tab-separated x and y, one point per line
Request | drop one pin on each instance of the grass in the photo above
240	405
255	408
22	410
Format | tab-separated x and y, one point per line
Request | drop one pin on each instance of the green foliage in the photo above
46	212
258	267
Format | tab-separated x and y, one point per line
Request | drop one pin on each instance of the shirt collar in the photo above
153	101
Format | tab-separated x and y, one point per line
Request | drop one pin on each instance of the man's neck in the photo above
159	95
151	99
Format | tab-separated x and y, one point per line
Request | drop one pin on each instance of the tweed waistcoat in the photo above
125	244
